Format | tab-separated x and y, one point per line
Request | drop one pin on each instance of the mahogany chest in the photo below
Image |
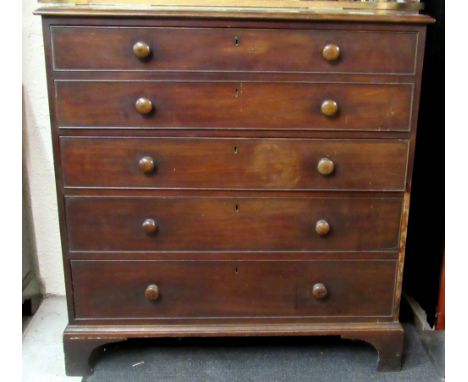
232	176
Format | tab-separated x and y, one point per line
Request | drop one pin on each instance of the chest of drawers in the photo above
229	176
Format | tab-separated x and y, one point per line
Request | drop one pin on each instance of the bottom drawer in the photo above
240	289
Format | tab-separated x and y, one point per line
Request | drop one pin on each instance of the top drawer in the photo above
229	49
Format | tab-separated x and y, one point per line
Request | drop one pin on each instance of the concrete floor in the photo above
43	354
42	343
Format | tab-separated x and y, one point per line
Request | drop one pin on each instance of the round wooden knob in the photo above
325	166
141	50
331	52
329	108
147	165
322	227
319	291
152	292
150	226
144	105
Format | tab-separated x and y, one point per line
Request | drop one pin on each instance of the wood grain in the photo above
250	13
228	223
116	289
234	105
190	163
308	5
187	49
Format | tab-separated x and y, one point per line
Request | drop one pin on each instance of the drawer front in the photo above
207	163
235	105
217	49
217	289
232	223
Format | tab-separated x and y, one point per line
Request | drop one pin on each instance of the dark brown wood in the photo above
231	255
234	105
236	224
115	289
389	346
347	17
387	338
82	353
224	164
86	48
192	163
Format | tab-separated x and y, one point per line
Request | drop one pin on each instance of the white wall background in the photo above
37	146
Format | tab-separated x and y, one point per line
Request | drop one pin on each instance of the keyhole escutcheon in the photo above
236	40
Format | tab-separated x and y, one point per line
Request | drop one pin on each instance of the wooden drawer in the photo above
209	163
218	49
242	289
234	105
199	223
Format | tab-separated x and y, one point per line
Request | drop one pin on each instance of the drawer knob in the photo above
152	292
141	50
325	166
329	108
319	291
322	227
331	52
143	106
150	226
147	165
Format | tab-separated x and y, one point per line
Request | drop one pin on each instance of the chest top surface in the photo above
342	10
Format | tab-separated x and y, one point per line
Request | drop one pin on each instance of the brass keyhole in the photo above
236	208
235	150
236	40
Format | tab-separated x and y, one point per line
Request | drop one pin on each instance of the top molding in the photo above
380	11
